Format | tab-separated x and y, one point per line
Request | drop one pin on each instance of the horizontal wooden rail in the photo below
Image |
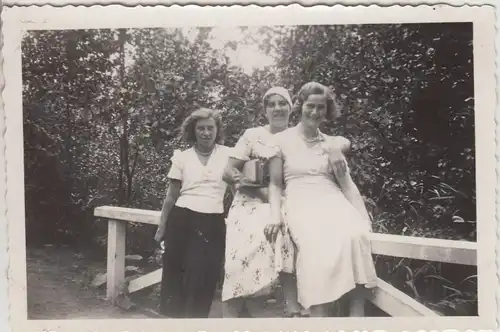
436	250
128	214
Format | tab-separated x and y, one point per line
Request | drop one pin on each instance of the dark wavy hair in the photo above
189	124
314	88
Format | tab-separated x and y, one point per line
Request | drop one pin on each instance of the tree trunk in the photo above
124	139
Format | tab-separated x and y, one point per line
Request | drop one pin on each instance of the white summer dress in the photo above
333	250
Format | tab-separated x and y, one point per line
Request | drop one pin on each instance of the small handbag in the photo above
256	173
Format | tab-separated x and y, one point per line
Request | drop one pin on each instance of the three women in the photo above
313	209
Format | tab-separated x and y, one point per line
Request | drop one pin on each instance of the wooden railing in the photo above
391	300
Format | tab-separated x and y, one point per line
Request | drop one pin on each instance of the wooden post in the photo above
116	259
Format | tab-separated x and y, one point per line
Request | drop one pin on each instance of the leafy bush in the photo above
102	110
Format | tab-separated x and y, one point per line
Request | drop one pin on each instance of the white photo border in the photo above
19	19
307	3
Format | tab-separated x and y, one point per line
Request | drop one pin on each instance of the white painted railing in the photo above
386	297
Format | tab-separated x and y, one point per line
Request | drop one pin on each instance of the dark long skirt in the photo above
192	262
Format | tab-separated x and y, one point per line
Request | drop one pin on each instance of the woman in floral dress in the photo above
252	265
325	213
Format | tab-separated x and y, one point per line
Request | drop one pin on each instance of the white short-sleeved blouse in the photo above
255	142
202	188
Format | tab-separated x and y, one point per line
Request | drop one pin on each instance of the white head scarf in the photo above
277	90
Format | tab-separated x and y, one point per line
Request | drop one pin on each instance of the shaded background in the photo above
102	110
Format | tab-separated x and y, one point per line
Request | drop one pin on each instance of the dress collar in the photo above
320	138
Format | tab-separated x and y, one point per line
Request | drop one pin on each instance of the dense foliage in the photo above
102	110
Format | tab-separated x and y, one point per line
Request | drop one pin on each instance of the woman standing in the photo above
251	268
192	223
326	215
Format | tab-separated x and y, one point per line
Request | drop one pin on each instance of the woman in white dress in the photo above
325	213
251	268
192	221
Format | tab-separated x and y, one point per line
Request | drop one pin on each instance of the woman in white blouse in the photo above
192	223
325	213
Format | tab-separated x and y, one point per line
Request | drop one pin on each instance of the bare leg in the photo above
232	308
320	310
357	301
289	285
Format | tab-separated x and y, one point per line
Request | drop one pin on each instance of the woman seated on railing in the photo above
325	213
250	266
192	223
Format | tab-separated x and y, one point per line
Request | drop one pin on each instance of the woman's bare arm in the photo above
353	195
275	192
341	171
336	147
173	194
343	144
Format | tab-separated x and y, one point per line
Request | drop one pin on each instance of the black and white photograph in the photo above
203	168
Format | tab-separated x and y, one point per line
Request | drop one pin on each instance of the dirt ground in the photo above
58	288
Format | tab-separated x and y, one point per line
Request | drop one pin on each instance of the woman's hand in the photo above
160	233
237	179
173	194
235	176
271	231
232	172
337	163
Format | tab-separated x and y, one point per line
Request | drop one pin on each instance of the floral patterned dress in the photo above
252	264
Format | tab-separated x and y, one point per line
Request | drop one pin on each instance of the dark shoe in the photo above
304	313
295	314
